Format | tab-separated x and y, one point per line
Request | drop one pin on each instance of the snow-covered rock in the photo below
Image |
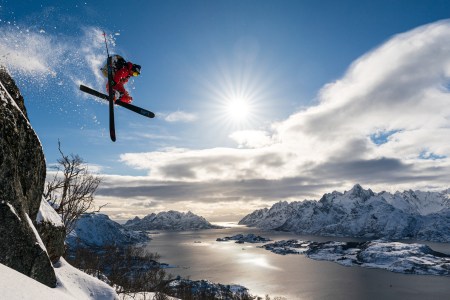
47	214
240	239
52	230
170	220
362	213
391	256
97	230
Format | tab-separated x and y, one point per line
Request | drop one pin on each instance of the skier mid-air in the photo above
118	72
121	71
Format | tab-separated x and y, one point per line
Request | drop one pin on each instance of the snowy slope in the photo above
362	213
73	284
81	285
253	218
423	203
170	220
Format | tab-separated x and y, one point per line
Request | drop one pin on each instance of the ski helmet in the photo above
136	70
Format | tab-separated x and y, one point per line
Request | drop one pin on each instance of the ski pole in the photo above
106	44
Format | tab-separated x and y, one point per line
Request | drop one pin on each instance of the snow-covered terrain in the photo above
48	214
362	213
391	256
73	284
253	218
96	230
170	220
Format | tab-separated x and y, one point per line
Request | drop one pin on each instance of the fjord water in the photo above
197	255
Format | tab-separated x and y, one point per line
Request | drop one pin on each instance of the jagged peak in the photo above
357	191
280	204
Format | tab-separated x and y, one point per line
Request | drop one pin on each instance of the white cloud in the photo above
180	116
207	164
252	138
398	86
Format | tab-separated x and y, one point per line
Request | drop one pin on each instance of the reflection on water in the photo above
199	256
252	259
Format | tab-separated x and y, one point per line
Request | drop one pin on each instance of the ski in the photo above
112	128
134	108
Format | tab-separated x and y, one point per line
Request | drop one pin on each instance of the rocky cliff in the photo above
22	178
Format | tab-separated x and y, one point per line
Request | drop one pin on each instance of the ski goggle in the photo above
136	70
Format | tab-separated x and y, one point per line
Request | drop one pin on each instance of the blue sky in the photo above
256	101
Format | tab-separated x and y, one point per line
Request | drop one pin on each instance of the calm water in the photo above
199	256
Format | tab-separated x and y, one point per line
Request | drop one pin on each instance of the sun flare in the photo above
239	96
238	109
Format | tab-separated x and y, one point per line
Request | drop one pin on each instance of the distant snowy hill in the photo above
170	220
362	213
95	230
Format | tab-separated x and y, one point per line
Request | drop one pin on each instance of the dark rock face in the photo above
22	178
52	231
53	238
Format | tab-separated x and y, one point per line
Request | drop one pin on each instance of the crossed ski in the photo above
134	108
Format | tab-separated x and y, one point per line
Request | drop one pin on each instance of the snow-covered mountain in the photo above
362	213
170	220
253	218
96	230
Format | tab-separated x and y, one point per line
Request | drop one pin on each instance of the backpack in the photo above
118	62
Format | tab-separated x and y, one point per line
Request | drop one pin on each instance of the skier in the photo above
122	71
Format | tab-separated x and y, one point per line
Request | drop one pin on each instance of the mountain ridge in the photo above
362	213
170	220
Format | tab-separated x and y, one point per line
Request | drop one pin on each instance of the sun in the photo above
238	109
238	95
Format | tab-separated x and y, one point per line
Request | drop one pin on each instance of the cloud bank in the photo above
385	124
